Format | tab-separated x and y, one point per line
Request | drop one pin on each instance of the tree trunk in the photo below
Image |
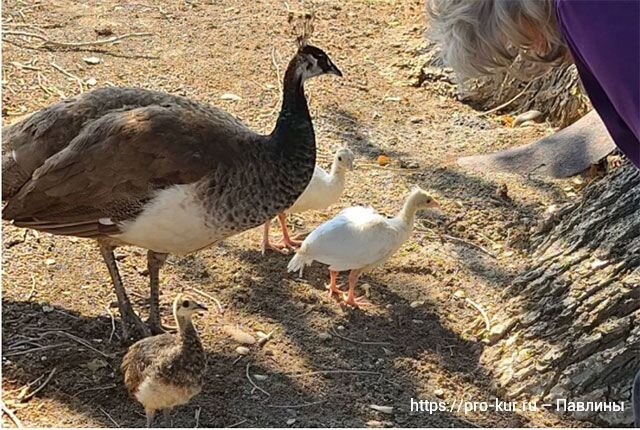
570	327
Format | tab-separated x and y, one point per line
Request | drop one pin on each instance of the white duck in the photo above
359	239
323	190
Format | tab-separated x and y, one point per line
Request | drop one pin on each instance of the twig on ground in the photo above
366	166
82	342
508	102
237	424
473	245
107	387
22	66
487	323
46	42
110	417
11	415
66	314
113	323
42	348
197	417
33	288
334	333
70	75
255	386
303	405
325	372
263	340
210	297
40	387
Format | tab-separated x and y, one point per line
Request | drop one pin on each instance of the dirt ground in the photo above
425	338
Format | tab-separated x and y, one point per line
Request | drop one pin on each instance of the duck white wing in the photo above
356	238
319	194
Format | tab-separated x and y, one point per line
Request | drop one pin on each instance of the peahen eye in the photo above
185	304
339	158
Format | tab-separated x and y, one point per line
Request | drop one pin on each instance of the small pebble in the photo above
259	377
242	350
91	60
416	304
439	392
383	409
91	82
230	96
375	424
324	336
340	327
239	335
459	294
49	261
291	421
418	322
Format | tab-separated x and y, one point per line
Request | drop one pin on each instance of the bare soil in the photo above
432	336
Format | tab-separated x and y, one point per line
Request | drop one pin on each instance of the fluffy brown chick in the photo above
167	370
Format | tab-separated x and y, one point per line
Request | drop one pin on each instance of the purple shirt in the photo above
604	39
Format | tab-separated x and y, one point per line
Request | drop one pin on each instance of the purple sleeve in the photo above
604	39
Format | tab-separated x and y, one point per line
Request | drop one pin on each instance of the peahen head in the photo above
312	61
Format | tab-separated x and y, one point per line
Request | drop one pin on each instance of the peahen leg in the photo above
266	244
132	326
286	239
155	261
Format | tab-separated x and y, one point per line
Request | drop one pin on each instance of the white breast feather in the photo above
323	191
173	222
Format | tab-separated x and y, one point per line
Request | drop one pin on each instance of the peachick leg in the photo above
132	325
168	422
155	261
150	413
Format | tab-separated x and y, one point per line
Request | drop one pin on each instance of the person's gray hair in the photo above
480	37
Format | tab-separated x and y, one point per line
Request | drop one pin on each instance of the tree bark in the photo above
570	327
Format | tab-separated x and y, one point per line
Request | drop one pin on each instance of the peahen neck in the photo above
294	130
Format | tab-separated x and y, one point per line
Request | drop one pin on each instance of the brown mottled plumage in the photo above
167	370
143	168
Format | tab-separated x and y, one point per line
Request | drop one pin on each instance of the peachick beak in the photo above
335	71
201	307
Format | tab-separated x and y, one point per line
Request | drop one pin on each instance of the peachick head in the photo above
185	306
343	159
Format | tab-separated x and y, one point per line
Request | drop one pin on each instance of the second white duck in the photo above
323	190
359	239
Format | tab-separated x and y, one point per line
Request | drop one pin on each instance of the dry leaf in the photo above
383	160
